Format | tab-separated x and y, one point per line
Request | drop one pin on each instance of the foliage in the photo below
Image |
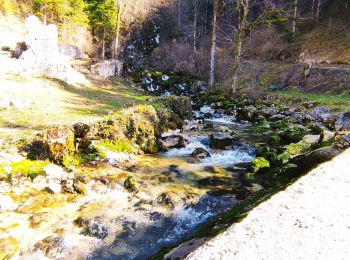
102	18
61	11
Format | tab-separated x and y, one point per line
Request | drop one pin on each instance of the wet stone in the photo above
200	153
170	199
51	246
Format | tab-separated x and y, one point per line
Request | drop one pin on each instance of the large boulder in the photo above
221	141
173	141
247	113
56	144
311	159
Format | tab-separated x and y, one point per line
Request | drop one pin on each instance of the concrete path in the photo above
309	220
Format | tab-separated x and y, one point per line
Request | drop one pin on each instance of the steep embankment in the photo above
309	220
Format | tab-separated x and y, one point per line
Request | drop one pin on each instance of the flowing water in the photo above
177	194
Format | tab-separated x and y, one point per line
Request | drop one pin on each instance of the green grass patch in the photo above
29	168
336	104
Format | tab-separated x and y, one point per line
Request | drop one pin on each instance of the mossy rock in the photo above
258	164
131	184
288	170
292	135
56	144
295	149
151	147
311	159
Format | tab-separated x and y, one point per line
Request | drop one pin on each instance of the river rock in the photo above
199	87
95	229
200	153
311	159
247	113
54	187
173	141
115	159
170	199
51	246
342	139
320	113
131	184
221	141
311	139
277	117
326	135
79	187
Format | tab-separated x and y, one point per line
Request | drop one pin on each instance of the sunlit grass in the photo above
336	104
48	102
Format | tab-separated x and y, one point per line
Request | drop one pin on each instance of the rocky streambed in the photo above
150	178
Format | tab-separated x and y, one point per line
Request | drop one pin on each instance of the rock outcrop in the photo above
43	57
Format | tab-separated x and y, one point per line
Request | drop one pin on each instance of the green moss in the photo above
279	125
258	164
292	135
29	168
131	184
150	147
120	145
295	149
274	140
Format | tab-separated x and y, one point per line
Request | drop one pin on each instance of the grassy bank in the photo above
39	103
340	103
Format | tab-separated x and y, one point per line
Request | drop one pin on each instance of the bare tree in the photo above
319	3
242	10
213	44
295	16
195	21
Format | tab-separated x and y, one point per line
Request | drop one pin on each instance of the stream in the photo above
177	193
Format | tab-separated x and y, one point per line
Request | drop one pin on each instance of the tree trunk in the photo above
236	62
103	54
213	44
313	9
295	16
195	19
318	10
179	14
116	43
242	24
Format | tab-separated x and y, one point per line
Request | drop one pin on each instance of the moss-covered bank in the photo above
132	130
